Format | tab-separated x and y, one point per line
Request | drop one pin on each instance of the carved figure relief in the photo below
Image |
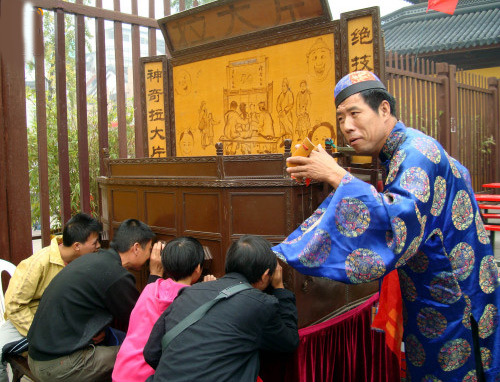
320	60
237	104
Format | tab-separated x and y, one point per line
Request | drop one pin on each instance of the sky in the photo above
386	6
336	8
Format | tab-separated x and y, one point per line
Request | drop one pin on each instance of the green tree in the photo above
175	4
52	136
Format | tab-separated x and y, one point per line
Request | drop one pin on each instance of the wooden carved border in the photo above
378	46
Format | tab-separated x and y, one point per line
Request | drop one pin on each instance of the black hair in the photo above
181	257
328	125
79	228
251	256
131	231
374	97
186	133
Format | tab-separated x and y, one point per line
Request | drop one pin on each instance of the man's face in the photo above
320	62
142	255
187	144
364	129
92	244
320	135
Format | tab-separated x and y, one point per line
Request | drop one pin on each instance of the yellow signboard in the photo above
361	54
360	44
155	109
254	100
219	21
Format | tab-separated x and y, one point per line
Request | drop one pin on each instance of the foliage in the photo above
52	133
486	144
188	3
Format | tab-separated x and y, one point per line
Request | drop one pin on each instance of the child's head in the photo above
181	257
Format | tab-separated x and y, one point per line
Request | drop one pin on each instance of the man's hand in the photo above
99	337
209	278
319	166
277	280
155	266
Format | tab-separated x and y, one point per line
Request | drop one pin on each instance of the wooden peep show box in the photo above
243	82
217	199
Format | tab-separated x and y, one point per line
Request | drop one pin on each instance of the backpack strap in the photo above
200	312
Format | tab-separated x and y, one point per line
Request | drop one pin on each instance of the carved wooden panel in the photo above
124	205
257	213
201	212
160	210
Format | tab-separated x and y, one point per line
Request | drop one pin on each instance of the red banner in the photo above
445	6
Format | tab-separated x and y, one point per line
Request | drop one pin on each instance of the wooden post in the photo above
62	116
41	126
15	224
443	102
453	91
494	117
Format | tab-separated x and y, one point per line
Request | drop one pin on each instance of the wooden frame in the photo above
376	42
266	42
249	13
163	97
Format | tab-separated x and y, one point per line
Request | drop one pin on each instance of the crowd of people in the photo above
67	299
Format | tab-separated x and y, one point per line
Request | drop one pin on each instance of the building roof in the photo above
474	25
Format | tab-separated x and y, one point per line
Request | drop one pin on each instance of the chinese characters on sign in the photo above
360	42
236	18
155	109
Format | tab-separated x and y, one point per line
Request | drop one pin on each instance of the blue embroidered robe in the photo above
425	224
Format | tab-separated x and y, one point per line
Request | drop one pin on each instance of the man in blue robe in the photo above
425	224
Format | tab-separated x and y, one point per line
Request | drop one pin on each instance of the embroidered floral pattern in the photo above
482	236
415	351
280	256
413	247
454	354
488	275
393	141
346	179
428	148
317	249
462	260
461	211
407	286
488	322
394	165
418	263
311	220
486	357
470	376
431	323
396	239
467	312
416	181
352	217
439	196
453	166
444	288
363	265
430	378
376	195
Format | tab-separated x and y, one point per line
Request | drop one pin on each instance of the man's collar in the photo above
236	276
55	254
396	137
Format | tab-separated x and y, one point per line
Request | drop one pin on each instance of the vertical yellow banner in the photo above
155	109
360	43
360	48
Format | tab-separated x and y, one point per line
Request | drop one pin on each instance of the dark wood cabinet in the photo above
218	199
